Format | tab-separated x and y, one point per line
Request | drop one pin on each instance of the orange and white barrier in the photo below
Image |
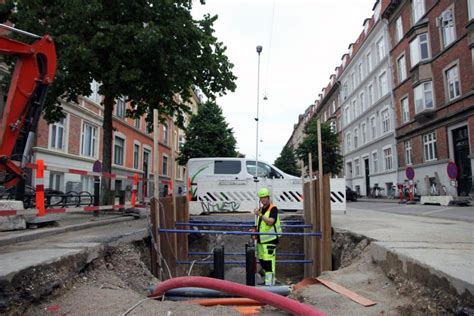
40	188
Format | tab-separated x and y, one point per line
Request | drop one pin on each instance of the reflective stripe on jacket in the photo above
264	227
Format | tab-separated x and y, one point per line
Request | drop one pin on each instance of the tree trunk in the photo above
107	141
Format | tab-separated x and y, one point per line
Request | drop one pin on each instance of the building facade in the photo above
368	141
432	54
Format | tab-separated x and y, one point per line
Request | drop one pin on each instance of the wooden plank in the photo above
326	226
317	241
348	293
168	240
307	220
182	239
155	264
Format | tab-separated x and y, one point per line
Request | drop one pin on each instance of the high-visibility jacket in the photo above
264	227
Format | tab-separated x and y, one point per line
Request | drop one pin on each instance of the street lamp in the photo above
259	50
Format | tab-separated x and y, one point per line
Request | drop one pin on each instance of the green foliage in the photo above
208	135
287	161
332	159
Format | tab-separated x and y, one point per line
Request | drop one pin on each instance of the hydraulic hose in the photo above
262	296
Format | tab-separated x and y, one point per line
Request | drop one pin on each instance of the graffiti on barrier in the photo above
220	206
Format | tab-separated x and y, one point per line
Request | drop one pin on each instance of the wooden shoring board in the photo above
307	220
168	241
182	215
326	264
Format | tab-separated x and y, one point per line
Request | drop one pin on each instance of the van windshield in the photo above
227	167
264	170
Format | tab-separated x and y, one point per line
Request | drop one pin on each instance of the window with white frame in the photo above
333	107
362	102
423	97
333	126
363	128
120	107
402	68
94	96
87	183
448	31
354	109
404	110
345	90
387	156
375	162
398	29
369	62
370	95
419	49
138	122
429	146
57	135
417	10
470	9
373	127
353	83
88	140
357	167
356	138
360	72
56	180
348	142
380	49
383	84
385	121
325	117
347	117
339	123
165	165
408	152
136	156
452	80
165	134
349	169
119	149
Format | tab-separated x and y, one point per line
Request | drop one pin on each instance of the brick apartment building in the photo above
76	141
433	79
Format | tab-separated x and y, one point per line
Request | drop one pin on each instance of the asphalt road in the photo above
459	213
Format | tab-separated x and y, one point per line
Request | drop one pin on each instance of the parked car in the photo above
351	195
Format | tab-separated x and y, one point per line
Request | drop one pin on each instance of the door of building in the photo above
367	176
462	160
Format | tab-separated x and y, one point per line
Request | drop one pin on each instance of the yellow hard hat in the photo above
263	192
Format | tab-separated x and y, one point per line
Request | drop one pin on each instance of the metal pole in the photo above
259	50
10	28
156	191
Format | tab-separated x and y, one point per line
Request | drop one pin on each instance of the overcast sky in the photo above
303	41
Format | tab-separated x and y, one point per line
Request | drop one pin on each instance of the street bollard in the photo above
96	194
40	188
219	262
250	264
122	200
134	190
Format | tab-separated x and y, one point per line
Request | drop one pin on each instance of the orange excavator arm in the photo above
34	71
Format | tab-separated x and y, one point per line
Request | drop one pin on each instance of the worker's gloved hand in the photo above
257	212
254	229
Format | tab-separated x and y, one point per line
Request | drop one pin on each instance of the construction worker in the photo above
267	221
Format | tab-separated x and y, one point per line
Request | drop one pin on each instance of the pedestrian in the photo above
267	221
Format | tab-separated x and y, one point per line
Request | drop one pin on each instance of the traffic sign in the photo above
452	170
410	173
97	166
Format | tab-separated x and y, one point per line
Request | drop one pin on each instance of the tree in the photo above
287	161
332	159
147	50
208	135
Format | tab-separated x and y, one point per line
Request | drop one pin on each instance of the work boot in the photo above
269	279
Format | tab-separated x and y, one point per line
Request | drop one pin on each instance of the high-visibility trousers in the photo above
267	256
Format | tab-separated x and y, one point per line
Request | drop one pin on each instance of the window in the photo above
333	126
383	87
385	121
349	170
398	29
380	49
419	49
347	118
470	7
87	184
408	152
417	10
373	127
165	134
56	135
119	144
452	79
387	156
423	97
374	162
404	110
56	180
121	107
264	170
348	142
356	138
357	167
369	62
354	109
360	72
362	102
345	91
229	167
353	84
429	146
333	107
370	94
94	96
446	22
138	122
165	165
88	140
402	69
136	155
363	128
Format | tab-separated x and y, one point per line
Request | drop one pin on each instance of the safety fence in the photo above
41	201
